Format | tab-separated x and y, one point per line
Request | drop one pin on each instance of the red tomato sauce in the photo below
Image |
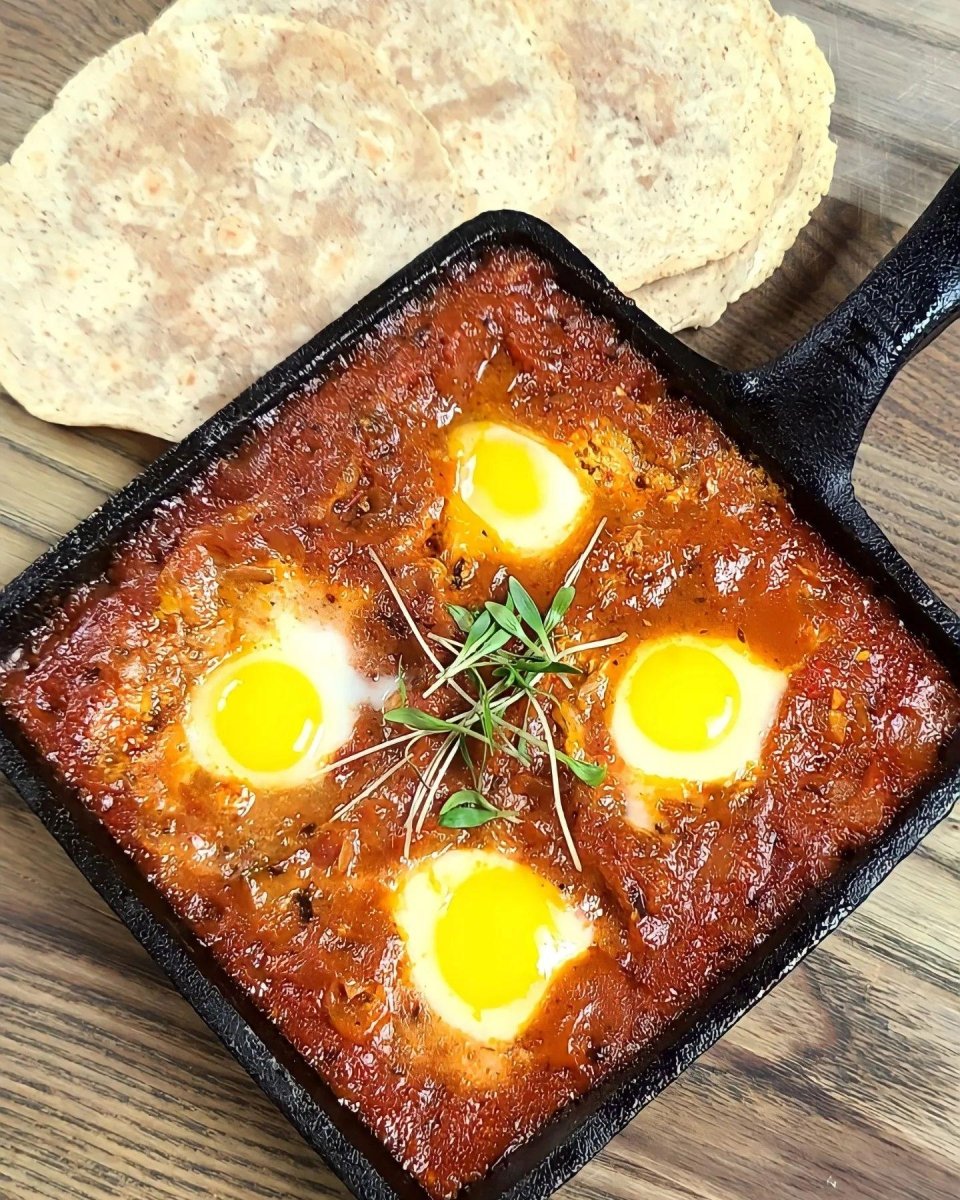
297	905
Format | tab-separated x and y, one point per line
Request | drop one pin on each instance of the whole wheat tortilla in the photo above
699	297
499	95
196	205
685	130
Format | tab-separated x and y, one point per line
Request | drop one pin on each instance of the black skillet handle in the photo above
813	403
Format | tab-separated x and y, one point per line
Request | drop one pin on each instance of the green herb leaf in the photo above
505	617
467	796
590	773
508	621
401	685
469	808
463	617
510	679
486	717
494	640
558	608
544	666
467	756
527	610
481	626
416	718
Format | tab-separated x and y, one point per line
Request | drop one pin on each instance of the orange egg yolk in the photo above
684	698
492	940
267	714
501	476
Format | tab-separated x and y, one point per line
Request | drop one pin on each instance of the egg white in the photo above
761	690
323	654
422	897
565	497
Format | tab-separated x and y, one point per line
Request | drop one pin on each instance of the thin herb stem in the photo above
555	780
524	732
583	647
575	571
435	786
414	628
368	750
429	786
447	643
345	809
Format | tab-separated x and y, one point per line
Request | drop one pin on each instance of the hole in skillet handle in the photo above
810	407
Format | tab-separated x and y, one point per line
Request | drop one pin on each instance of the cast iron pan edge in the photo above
803	416
772	411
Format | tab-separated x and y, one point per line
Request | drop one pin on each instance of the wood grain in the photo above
845	1082
897	116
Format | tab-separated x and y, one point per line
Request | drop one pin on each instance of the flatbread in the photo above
685	130
500	96
699	297
196	205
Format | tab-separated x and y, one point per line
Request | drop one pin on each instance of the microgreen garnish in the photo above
469	808
505	652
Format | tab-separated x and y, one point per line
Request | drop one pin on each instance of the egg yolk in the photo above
684	697
500	475
494	935
267	714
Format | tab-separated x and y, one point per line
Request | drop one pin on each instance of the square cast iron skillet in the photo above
802	417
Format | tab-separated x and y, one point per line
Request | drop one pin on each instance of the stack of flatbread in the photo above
206	196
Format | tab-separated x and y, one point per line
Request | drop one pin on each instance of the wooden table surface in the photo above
845	1082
